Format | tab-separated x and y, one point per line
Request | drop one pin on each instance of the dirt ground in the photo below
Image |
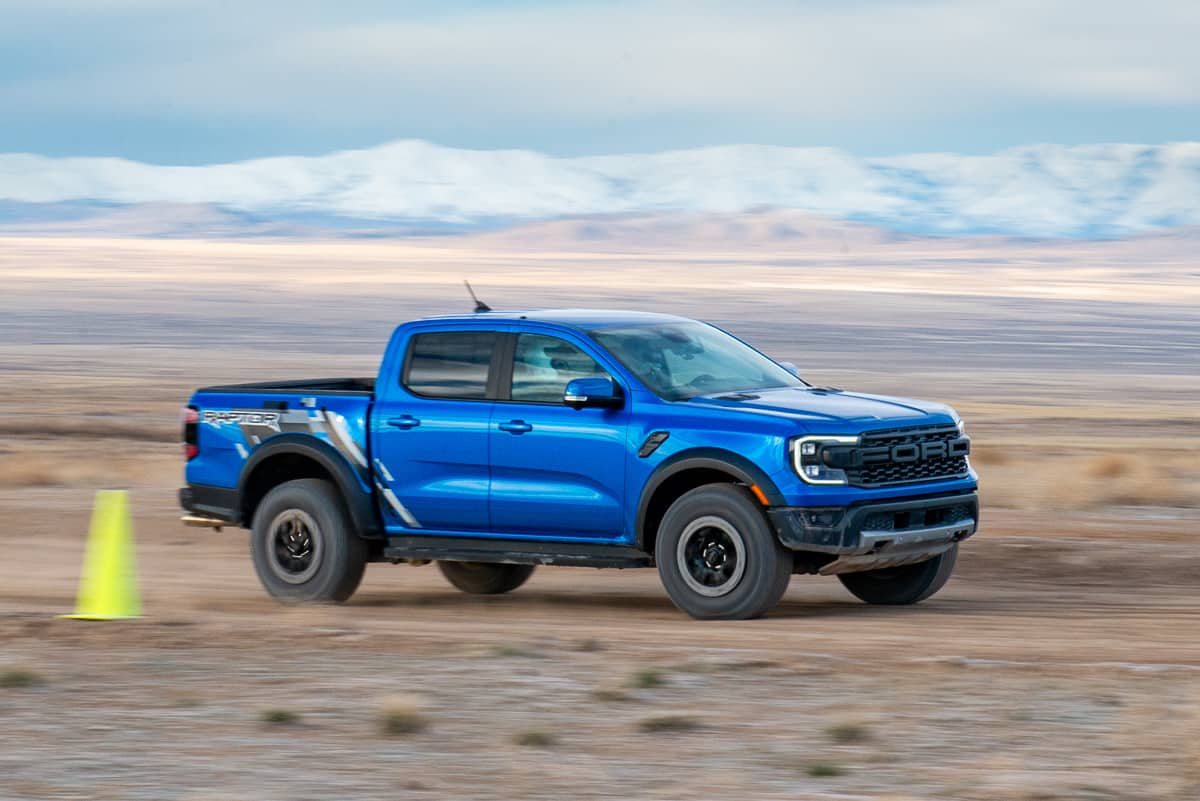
1061	662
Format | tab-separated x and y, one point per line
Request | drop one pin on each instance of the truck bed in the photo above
233	421
322	386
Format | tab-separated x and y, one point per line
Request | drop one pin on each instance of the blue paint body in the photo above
545	471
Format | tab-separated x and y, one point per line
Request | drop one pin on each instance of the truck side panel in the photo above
232	425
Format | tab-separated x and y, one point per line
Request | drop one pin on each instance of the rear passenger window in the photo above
542	367
450	364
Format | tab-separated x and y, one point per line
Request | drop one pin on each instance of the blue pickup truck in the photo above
491	443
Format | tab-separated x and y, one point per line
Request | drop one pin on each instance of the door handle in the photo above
516	427
404	421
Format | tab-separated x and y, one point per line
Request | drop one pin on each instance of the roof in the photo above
583	319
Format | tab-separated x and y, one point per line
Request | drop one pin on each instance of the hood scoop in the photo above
738	396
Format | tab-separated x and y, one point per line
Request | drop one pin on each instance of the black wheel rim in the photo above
294	546
711	556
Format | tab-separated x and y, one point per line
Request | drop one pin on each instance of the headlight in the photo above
810	458
962	427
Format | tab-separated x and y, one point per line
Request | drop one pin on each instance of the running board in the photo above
519	552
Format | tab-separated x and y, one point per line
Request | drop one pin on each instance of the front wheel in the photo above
718	558
485	578
304	545
899	586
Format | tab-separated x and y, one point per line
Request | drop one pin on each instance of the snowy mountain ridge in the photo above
1033	191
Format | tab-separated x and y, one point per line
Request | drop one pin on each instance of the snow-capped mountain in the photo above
1035	191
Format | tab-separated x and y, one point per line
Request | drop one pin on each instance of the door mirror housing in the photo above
791	368
599	393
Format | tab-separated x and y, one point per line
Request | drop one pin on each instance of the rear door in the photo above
431	427
557	472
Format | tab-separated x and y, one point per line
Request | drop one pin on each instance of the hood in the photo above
825	411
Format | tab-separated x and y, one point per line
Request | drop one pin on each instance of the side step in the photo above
521	552
203	521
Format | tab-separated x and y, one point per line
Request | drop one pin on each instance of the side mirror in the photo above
791	368
601	392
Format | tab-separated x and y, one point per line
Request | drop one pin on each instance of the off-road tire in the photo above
717	516
337	556
485	578
899	586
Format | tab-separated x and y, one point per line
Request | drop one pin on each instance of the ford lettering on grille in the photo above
915	451
906	456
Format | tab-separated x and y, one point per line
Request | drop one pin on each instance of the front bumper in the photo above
871	536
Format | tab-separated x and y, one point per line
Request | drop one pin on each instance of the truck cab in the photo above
491	443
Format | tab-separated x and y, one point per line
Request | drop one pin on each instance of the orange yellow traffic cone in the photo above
108	587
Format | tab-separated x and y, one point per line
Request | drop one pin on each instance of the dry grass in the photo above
166	430
403	715
987	455
1187	738
1081	481
29	469
611	695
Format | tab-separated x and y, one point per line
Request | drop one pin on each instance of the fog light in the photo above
825	518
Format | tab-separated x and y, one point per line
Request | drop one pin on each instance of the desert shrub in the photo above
648	679
535	738
848	733
19	679
279	717
668	723
1109	465
402	715
515	651
824	770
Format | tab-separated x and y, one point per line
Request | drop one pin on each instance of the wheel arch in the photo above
288	457
687	470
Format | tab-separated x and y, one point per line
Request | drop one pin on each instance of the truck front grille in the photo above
892	470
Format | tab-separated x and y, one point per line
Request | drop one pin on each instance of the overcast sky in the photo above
195	81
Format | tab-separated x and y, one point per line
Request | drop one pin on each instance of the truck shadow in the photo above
650	605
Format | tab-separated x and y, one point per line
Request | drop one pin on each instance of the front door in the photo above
431	434
557	472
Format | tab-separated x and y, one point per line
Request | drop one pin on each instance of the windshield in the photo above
682	360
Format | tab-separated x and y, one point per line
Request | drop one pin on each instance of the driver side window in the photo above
544	365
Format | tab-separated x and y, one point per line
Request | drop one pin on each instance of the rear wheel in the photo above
485	578
718	558
898	586
303	544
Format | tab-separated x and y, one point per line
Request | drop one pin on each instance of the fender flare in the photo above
358	503
741	468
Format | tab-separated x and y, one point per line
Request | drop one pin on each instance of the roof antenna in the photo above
480	306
